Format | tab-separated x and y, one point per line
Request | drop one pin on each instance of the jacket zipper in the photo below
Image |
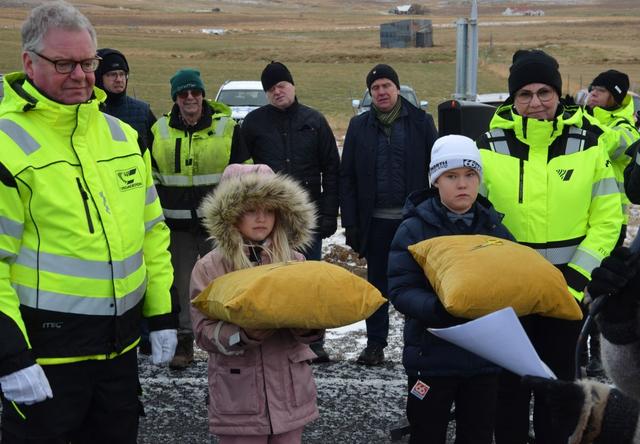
85	201
521	184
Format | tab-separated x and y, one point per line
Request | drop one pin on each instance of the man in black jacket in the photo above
385	157
294	139
113	77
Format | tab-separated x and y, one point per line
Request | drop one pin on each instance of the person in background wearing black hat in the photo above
113	77
385	158
295	139
192	145
546	169
609	103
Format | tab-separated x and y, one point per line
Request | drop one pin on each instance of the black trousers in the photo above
475	400
555	341
93	402
381	234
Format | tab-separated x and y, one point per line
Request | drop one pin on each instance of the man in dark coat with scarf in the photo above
385	157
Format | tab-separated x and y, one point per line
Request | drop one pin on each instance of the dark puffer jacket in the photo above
412	295
134	112
299	142
358	174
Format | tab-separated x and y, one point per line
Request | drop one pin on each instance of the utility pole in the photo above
467	56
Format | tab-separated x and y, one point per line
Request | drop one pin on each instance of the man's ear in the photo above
27	63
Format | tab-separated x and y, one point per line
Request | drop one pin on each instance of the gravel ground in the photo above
357	404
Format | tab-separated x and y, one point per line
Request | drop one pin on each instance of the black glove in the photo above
563	400
327	225
616	275
352	237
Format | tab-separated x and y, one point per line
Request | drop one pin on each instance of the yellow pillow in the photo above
310	294
474	275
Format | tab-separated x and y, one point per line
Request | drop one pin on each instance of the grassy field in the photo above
329	46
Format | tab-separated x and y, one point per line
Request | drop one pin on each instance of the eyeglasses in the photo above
195	93
67	66
116	74
525	96
598	89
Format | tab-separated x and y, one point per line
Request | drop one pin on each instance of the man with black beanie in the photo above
546	169
113	77
385	157
295	139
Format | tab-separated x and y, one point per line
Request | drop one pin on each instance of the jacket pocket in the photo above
235	390
303	385
85	203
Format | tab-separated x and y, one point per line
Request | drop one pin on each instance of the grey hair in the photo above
57	14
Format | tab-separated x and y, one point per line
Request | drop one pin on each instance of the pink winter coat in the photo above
257	387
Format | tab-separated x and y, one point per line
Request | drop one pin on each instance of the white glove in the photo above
26	386
163	345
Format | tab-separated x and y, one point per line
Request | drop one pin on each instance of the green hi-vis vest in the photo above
556	187
83	245
187	165
620	121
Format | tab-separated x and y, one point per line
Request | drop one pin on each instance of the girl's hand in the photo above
258	334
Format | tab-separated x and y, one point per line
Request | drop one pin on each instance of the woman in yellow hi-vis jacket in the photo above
547	170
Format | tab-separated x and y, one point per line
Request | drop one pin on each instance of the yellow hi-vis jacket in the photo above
554	183
621	121
188	162
83	245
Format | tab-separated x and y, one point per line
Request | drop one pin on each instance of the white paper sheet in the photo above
498	337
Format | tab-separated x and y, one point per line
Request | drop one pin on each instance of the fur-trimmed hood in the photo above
222	208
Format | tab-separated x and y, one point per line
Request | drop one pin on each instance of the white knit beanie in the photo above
453	151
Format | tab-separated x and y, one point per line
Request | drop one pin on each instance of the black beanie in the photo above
616	82
112	60
534	66
273	73
382	71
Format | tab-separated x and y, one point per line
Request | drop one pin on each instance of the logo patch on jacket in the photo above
129	179
565	175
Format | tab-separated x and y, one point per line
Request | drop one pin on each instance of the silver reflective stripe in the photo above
222	123
149	225
574	144
176	214
19	136
7	255
152	195
177	180
180	214
117	133
585	260
71	266
163	127
605	187
499	146
9	227
623	145
86	305
207	179
638	158
558	255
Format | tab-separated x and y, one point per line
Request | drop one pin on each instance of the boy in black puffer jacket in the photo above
446	372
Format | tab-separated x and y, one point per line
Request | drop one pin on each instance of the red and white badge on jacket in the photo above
420	390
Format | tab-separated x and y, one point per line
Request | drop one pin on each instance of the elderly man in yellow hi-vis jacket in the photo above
546	168
83	246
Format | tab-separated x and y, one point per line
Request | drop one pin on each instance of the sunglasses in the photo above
195	93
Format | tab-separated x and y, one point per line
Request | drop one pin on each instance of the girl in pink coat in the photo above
261	388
